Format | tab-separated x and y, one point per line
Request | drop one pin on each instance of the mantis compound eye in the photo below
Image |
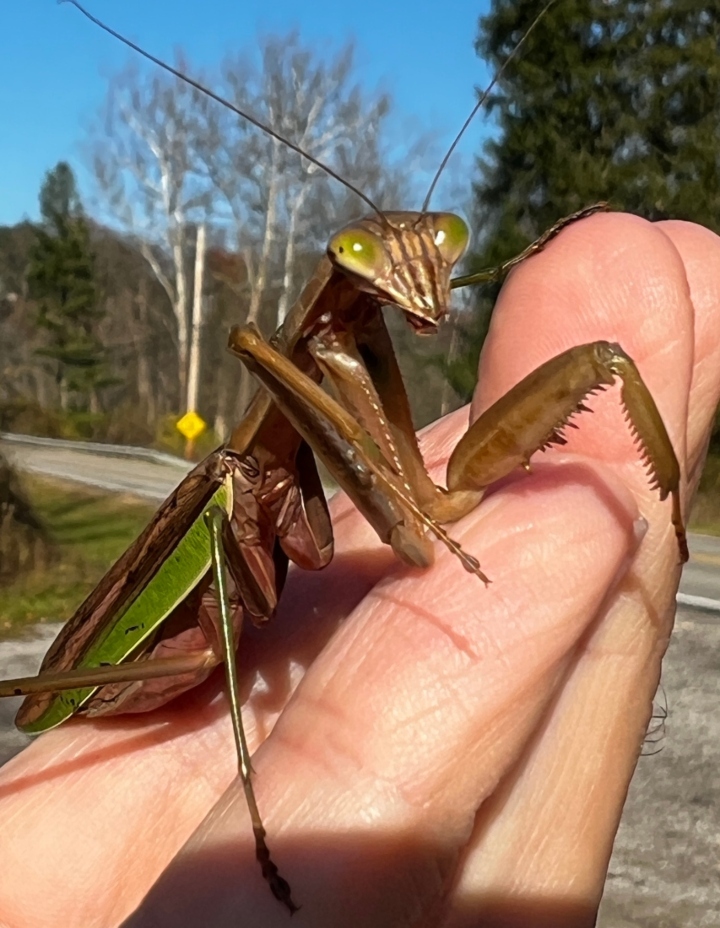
359	251
452	236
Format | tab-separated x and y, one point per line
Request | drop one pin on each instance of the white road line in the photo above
698	602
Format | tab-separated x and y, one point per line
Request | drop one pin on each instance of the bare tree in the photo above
145	162
281	208
193	385
168	160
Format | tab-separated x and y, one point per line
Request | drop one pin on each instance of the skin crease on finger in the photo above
380	768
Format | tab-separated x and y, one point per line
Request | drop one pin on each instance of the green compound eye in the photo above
360	252
451	236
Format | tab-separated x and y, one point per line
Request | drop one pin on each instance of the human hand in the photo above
454	755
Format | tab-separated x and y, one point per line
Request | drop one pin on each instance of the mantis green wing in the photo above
144	605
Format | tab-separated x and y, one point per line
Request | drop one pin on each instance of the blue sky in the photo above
54	66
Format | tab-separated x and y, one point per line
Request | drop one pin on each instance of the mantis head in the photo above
405	259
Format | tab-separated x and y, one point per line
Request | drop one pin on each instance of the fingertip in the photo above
611	277
699	250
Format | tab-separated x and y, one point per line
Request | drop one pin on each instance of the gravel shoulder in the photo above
665	868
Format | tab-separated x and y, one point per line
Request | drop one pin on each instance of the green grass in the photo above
90	530
705	516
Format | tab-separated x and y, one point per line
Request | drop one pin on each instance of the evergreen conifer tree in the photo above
61	279
615	101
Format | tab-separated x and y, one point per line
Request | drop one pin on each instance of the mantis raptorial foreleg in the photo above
529	418
532	415
351	454
360	364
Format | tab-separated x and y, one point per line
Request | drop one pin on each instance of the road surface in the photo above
145	478
665	869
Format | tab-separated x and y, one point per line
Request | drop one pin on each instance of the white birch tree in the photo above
145	164
280	207
168	160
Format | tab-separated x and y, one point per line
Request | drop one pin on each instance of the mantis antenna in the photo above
231	106
483	97
291	145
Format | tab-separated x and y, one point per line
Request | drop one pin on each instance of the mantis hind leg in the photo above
216	520
532	416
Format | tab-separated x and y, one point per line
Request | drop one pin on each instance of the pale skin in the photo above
435	697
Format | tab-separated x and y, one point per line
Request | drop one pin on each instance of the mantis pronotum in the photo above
258	502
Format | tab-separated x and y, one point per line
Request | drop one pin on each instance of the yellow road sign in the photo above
190	425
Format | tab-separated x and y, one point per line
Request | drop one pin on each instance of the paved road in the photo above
701	575
20	658
149	479
665	870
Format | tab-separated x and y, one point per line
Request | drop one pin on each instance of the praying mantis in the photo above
218	549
